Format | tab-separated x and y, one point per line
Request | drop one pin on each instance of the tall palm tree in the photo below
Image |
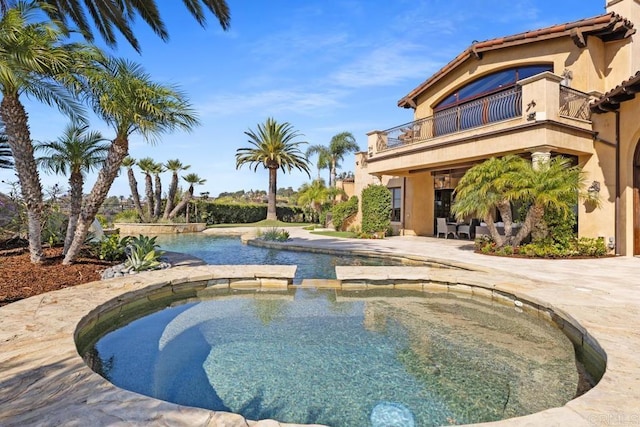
33	62
340	145
174	166
324	158
129	162
192	179
273	147
146	165
126	98
76	152
157	169
108	16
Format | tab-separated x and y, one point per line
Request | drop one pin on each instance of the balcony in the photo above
537	98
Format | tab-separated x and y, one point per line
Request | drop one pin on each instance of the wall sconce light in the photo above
611	245
594	188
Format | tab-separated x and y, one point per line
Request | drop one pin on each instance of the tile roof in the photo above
607	27
623	92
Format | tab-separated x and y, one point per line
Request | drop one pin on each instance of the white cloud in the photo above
270	102
387	65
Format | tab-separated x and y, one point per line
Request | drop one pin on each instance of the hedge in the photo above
343	211
376	209
231	213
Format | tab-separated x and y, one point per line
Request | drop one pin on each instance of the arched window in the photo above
489	99
491	83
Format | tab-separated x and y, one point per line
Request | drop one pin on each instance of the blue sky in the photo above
325	66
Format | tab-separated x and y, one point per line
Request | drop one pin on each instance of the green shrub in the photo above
274	234
54	228
129	215
376	210
582	247
591	247
111	248
102	220
343	211
234	213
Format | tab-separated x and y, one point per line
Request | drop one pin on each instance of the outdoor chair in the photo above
446	229
468	229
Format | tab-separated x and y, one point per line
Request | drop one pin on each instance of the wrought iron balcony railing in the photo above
574	104
494	108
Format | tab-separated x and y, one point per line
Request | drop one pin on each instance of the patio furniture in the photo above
468	229
443	228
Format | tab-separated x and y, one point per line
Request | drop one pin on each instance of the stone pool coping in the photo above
45	382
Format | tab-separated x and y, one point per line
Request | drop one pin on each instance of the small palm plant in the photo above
75	153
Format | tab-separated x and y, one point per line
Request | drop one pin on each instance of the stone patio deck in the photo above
43	380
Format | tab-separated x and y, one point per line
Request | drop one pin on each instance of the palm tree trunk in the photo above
75	183
504	208
273	187
158	198
148	190
117	152
183	203
14	117
534	215
493	231
171	196
133	185
332	174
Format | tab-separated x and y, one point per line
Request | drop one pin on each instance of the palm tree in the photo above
129	162
340	145
313	195
273	147
324	158
126	98
174	166
483	189
146	165
157	169
554	184
192	179
497	183
32	60
108	15
76	152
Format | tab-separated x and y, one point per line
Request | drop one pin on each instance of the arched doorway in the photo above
636	201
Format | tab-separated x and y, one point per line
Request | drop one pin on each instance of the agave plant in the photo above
143	253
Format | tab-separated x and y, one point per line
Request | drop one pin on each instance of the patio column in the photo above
540	155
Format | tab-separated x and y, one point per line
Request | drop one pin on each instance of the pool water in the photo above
344	358
225	250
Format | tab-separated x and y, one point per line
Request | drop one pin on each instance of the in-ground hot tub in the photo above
365	356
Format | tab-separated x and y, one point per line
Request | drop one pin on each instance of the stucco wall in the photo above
596	69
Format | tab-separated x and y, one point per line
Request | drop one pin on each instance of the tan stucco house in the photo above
562	90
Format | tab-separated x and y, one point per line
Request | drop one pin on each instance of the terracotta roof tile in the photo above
608	27
611	100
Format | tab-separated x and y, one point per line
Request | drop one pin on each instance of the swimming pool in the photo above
221	250
344	358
